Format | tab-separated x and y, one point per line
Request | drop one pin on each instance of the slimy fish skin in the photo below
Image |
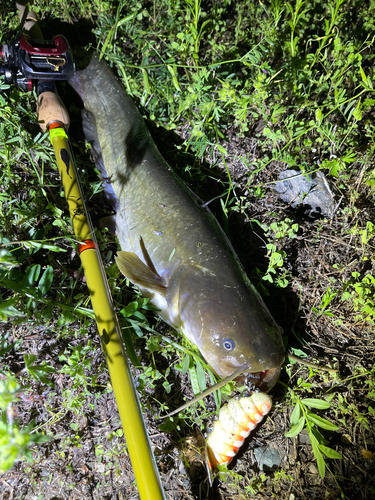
173	249
235	422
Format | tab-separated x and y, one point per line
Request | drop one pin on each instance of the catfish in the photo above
172	247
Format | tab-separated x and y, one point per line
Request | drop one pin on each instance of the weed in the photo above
77	366
281	474
359	294
351	411
243	486
303	418
15	442
276	263
37	371
281	230
279	233
327	298
295	13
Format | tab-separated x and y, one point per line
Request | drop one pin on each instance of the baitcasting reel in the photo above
26	60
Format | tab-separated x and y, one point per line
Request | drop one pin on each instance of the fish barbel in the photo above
173	249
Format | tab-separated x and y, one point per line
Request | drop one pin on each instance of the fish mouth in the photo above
263	380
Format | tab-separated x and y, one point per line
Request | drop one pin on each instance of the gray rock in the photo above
311	192
268	458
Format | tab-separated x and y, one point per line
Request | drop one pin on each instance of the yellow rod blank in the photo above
137	440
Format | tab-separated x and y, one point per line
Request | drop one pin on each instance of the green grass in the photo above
297	79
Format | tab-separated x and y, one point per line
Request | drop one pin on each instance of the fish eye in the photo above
228	344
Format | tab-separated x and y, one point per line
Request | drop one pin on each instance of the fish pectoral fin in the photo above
139	273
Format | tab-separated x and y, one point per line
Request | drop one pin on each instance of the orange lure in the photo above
236	420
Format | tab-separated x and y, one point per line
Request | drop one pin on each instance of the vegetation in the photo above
234	93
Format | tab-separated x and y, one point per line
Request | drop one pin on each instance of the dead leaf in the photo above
367	454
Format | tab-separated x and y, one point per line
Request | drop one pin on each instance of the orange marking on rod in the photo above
86	245
55	125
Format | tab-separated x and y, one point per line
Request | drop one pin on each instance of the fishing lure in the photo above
236	420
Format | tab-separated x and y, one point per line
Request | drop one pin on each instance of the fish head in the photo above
237	335
231	327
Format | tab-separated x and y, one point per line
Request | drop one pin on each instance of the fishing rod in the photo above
34	61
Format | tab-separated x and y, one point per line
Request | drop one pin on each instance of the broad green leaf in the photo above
38	371
363	75
328	452
139	316
46	280
146	81
298	352
295	416
29	360
126	19
186	364
83	310
297	428
322	422
195	384
318	116
7	309
222	150
32	274
319	404
42	244
201	376
5	346
128	340
173	72
318	455
319	436
194	381
357	113
129	309
217	394
135	326
46	312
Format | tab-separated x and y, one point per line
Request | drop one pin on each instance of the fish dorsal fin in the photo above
139	273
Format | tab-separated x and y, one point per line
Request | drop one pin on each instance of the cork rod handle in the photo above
50	107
